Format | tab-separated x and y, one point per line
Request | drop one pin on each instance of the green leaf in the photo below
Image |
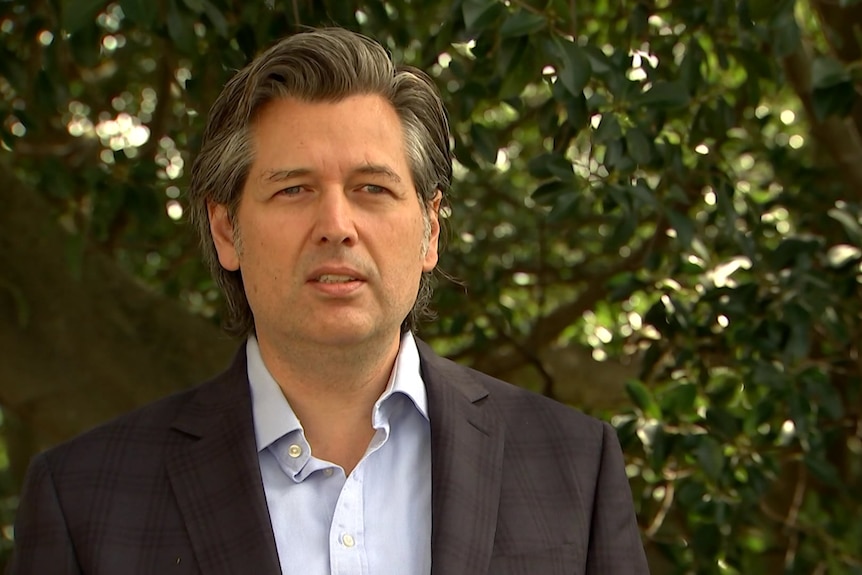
683	225
76	14
608	129
660	446
642	398
551	165
718	14
690	76
577	111
618	196
638	20
822	469
509	61
216	18
575	70
665	95
757	64
566	205
800	412
760	9
141	12
642	195
791	249
599	62
823	393
785	33
622	232
721	54
623	285
46	94
614	156
710	457
679	400
658	317
548	119
827	72
181	29
522	23
85	46
547	193
690	493
836	100
196	6
849	223
638	145
479	13
484	142
721	422
798	340
706	540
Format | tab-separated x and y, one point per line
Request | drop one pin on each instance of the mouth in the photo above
337	283
335	279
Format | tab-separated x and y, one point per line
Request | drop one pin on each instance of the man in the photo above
336	442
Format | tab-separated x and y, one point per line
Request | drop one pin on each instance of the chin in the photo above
341	331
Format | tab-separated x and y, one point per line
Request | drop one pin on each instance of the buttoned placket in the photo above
348	553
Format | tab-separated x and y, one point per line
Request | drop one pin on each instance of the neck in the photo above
332	391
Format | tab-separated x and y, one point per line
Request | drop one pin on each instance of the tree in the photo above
655	218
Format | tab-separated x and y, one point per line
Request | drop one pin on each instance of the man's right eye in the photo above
290	191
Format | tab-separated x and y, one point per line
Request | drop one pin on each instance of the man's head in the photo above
325	66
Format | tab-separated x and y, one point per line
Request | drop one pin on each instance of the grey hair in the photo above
324	65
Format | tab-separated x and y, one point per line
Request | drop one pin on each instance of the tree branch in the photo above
546	329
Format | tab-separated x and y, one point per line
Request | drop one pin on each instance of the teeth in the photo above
334	279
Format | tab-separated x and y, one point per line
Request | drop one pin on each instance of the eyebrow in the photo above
281	175
365	169
378	170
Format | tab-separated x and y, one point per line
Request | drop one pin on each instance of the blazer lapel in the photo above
466	457
213	468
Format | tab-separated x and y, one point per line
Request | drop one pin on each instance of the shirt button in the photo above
347	540
328	472
294	451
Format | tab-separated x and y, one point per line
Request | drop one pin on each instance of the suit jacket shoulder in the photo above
129	443
170	487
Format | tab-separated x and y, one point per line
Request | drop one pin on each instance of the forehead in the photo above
360	129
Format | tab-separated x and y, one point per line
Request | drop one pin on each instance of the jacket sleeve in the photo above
615	543
42	543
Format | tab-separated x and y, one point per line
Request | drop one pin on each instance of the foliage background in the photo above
655	218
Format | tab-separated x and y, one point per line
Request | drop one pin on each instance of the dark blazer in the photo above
520	485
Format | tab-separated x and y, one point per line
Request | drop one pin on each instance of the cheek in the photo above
265	259
412	244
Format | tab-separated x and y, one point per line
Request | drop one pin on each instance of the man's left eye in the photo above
373	189
290	191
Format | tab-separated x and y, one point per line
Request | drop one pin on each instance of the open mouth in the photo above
335	279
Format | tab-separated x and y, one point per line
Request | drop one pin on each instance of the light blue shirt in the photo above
377	520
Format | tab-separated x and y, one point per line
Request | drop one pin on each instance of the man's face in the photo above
329	236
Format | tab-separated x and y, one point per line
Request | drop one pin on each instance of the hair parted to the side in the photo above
328	65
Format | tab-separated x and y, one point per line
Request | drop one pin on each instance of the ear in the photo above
431	254
222	231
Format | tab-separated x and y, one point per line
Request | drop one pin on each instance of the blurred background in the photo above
655	218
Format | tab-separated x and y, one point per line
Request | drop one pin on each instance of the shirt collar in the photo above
274	418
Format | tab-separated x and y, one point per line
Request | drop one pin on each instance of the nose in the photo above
334	224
